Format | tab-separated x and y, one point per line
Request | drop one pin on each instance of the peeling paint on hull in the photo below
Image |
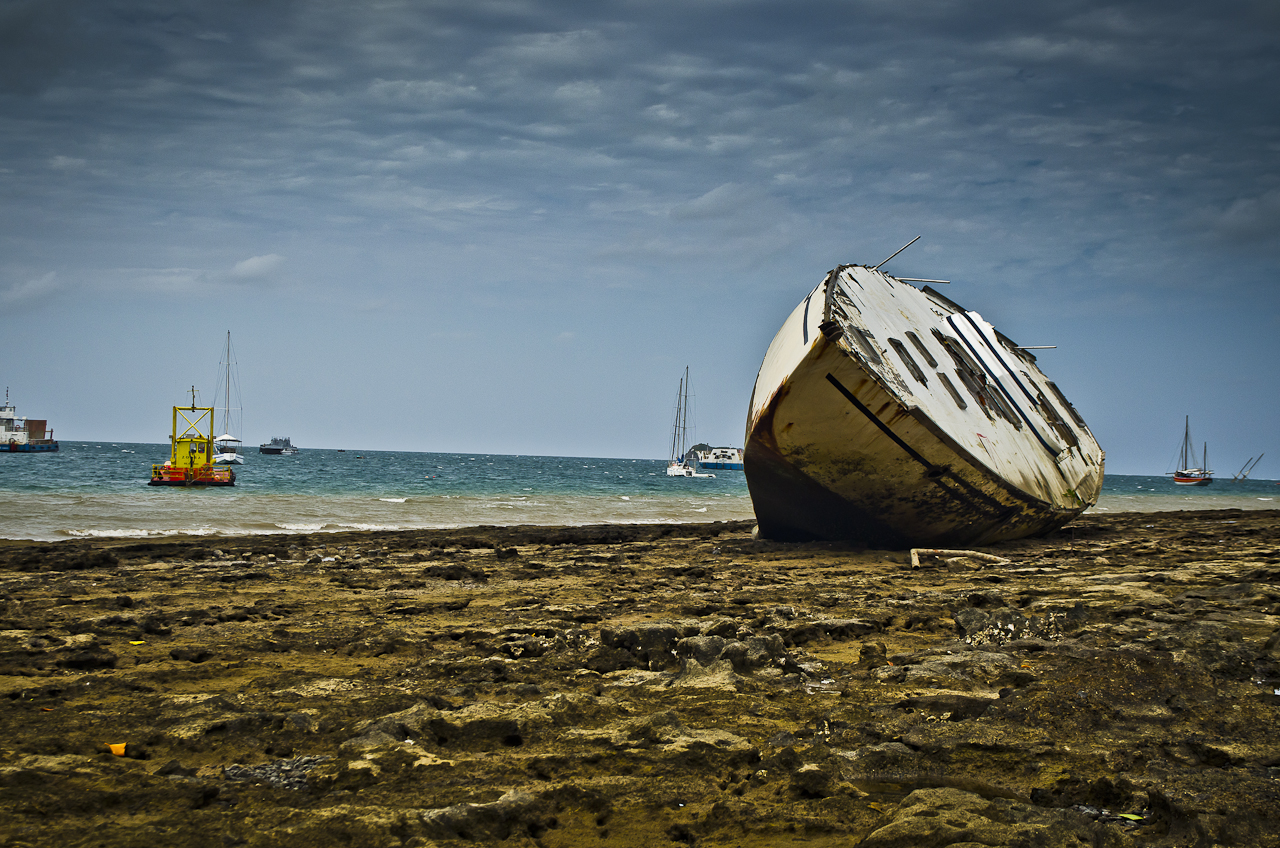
889	416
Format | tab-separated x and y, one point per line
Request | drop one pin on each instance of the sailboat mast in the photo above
226	410
1188	454
684	421
1248	467
675	427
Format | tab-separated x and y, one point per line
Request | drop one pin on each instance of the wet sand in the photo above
1112	684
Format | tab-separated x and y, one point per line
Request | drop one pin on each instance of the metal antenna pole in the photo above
899	250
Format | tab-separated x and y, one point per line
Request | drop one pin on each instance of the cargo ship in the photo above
24	435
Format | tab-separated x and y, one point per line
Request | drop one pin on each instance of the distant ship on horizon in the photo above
277	446
23	435
718	459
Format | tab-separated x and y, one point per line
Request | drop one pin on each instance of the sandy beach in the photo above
1113	684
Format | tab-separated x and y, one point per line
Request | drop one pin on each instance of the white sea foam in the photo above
139	533
129	533
393	500
301	528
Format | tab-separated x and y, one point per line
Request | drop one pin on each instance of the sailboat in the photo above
227	447
1247	468
1188	473
679	465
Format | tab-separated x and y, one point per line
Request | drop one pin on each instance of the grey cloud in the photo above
30	291
256	267
67	163
167	281
1252	219
721	201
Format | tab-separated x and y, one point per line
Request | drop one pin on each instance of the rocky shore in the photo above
1113	684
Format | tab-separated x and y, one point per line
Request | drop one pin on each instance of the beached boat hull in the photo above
853	435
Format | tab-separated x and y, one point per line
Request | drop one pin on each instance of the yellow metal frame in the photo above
191	451
193	446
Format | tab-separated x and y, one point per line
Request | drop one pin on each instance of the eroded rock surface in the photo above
1115	685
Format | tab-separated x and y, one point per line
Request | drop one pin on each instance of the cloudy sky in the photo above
506	226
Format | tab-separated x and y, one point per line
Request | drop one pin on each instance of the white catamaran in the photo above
227	446
679	464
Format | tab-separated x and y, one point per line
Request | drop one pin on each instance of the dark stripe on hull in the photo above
791	506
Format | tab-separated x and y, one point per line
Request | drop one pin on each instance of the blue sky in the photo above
508	226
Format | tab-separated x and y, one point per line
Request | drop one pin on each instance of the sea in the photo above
99	489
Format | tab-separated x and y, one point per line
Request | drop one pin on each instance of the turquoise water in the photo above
1128	493
99	489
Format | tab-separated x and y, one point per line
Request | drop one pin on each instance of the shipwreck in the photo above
888	415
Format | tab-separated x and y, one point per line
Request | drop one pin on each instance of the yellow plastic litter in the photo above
137	643
117	748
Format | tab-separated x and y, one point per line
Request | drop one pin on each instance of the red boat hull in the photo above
1192	480
208	476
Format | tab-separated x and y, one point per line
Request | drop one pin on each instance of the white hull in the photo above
679	464
720	459
227	447
16	432
682	469
909	423
227	450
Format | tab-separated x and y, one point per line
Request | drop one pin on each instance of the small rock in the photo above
192	655
814	780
